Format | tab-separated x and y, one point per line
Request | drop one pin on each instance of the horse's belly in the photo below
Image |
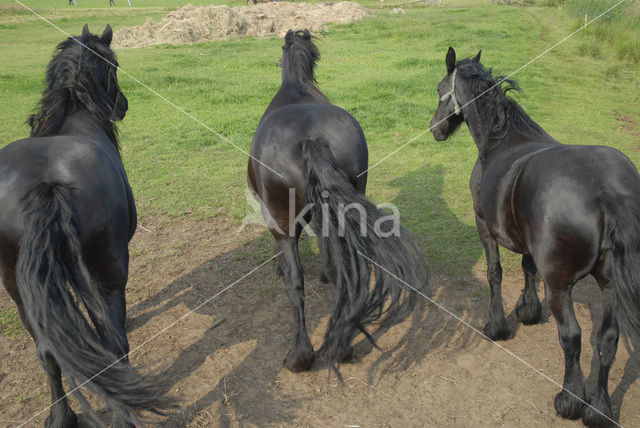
517	246
505	231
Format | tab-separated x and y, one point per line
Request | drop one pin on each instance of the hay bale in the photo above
192	24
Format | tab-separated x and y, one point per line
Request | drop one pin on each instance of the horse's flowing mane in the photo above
298	63
502	114
75	81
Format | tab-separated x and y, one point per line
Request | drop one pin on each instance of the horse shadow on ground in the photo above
452	250
257	311
255	315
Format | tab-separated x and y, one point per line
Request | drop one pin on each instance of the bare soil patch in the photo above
226	357
629	123
192	24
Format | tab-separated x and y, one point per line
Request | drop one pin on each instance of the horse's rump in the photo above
278	143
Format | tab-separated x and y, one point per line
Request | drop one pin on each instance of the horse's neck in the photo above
83	124
493	142
296	93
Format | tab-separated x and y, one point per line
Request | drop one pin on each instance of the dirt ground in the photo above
226	356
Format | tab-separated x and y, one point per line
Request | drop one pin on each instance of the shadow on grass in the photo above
452	250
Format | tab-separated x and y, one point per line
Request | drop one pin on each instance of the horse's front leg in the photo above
496	328
300	357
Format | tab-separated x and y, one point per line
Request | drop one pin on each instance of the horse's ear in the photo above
306	34
288	38
85	31
477	57
107	35
450	60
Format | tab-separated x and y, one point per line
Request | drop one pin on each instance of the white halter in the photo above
452	92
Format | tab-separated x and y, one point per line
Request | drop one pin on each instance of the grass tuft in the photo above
589	49
10	325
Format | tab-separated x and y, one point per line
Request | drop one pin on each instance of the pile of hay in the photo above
192	24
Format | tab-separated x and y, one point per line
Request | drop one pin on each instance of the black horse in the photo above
569	210
66	217
308	161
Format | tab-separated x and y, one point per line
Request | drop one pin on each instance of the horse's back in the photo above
566	173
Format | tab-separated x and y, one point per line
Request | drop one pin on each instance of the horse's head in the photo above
82	76
86	68
454	94
299	56
98	57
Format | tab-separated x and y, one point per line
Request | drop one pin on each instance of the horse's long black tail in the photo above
50	265
624	233
356	241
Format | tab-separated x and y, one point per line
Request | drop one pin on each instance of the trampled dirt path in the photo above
226	356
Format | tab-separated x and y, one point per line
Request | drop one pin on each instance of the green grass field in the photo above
383	70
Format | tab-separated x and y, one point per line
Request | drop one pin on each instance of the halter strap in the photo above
452	92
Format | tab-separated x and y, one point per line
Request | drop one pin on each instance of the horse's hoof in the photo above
279	271
67	420
497	331
299	361
529	314
323	278
568	406
598	414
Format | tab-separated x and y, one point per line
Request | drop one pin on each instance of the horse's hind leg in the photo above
496	328
114	335
570	400
300	357
529	310
118	343
109	273
600	415
61	415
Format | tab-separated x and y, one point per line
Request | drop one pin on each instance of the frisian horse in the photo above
308	161
67	214
569	210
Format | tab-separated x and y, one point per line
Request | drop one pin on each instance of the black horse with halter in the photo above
569	210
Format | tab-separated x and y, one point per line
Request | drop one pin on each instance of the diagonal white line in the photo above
486	337
497	84
153	337
171	103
